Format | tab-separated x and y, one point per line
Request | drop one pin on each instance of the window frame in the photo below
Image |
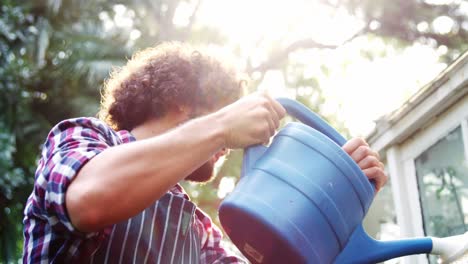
402	170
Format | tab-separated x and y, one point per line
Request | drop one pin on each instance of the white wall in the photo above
400	162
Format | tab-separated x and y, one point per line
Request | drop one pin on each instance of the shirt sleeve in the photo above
69	146
213	249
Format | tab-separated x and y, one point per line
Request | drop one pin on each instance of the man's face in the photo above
205	172
202	174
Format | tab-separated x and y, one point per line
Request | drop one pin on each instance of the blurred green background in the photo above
55	54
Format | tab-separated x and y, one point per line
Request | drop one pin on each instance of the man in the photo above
106	191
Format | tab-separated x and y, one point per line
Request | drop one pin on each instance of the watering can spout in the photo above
304	195
251	155
378	251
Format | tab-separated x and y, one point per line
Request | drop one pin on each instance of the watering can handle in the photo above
306	116
303	114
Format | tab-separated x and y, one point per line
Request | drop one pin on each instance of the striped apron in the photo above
165	232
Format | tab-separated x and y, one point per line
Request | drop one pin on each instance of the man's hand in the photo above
251	120
368	160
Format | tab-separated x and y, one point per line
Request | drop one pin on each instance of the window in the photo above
442	175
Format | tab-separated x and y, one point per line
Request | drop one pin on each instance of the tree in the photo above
16	124
415	21
40	55
54	56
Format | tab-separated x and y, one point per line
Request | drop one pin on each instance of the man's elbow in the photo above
82	211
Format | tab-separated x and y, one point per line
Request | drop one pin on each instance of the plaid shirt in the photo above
172	230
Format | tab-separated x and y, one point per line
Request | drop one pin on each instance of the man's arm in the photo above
123	180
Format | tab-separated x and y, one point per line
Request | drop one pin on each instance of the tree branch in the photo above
167	27
330	4
192	19
277	58
193	16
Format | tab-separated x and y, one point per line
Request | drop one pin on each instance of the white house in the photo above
424	145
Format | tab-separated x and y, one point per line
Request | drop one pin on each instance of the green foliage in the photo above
37	61
54	56
16	161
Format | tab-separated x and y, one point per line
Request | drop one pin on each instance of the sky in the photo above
358	93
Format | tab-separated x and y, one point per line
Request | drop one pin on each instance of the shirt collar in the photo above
126	136
179	191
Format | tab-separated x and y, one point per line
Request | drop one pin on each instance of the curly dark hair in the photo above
167	77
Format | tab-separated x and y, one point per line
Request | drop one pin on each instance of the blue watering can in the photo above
303	199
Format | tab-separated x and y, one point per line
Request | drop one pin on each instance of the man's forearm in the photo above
123	180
